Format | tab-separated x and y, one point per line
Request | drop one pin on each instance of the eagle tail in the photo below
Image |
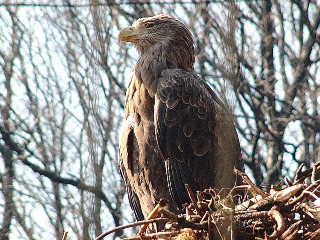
176	182
135	205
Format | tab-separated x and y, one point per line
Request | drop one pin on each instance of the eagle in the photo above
176	130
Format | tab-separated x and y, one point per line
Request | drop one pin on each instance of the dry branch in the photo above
288	214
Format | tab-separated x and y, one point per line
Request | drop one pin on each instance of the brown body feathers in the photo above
176	131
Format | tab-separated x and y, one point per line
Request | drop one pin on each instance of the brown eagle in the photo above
176	130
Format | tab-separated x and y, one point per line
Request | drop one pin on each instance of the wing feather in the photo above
129	150
132	196
184	120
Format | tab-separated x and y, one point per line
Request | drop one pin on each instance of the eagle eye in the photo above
149	24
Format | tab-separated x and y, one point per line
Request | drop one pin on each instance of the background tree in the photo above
62	83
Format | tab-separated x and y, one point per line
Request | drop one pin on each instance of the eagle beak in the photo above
130	34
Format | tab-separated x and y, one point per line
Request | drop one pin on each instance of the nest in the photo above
286	212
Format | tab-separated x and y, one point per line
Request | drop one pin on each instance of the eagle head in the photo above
159	29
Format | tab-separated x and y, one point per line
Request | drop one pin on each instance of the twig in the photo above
302	195
313	173
168	214
153	214
315	235
183	223
249	182
307	173
298	173
205	216
192	198
291	231
252	215
312	195
101	236
210	234
153	235
287	193
65	235
281	225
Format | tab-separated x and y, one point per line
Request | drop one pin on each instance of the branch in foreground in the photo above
101	236
270	215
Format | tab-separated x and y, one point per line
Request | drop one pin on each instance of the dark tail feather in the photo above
135	205
176	182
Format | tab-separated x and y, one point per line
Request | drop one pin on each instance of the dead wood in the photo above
288	212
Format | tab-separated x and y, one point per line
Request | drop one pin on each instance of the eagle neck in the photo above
161	56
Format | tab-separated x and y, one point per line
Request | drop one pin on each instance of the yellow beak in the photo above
130	34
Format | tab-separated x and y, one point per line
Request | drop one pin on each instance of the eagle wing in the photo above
132	196
185	122
128	154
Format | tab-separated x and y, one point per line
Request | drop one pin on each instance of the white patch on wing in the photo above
130	122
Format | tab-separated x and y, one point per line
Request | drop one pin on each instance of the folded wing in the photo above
185	124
